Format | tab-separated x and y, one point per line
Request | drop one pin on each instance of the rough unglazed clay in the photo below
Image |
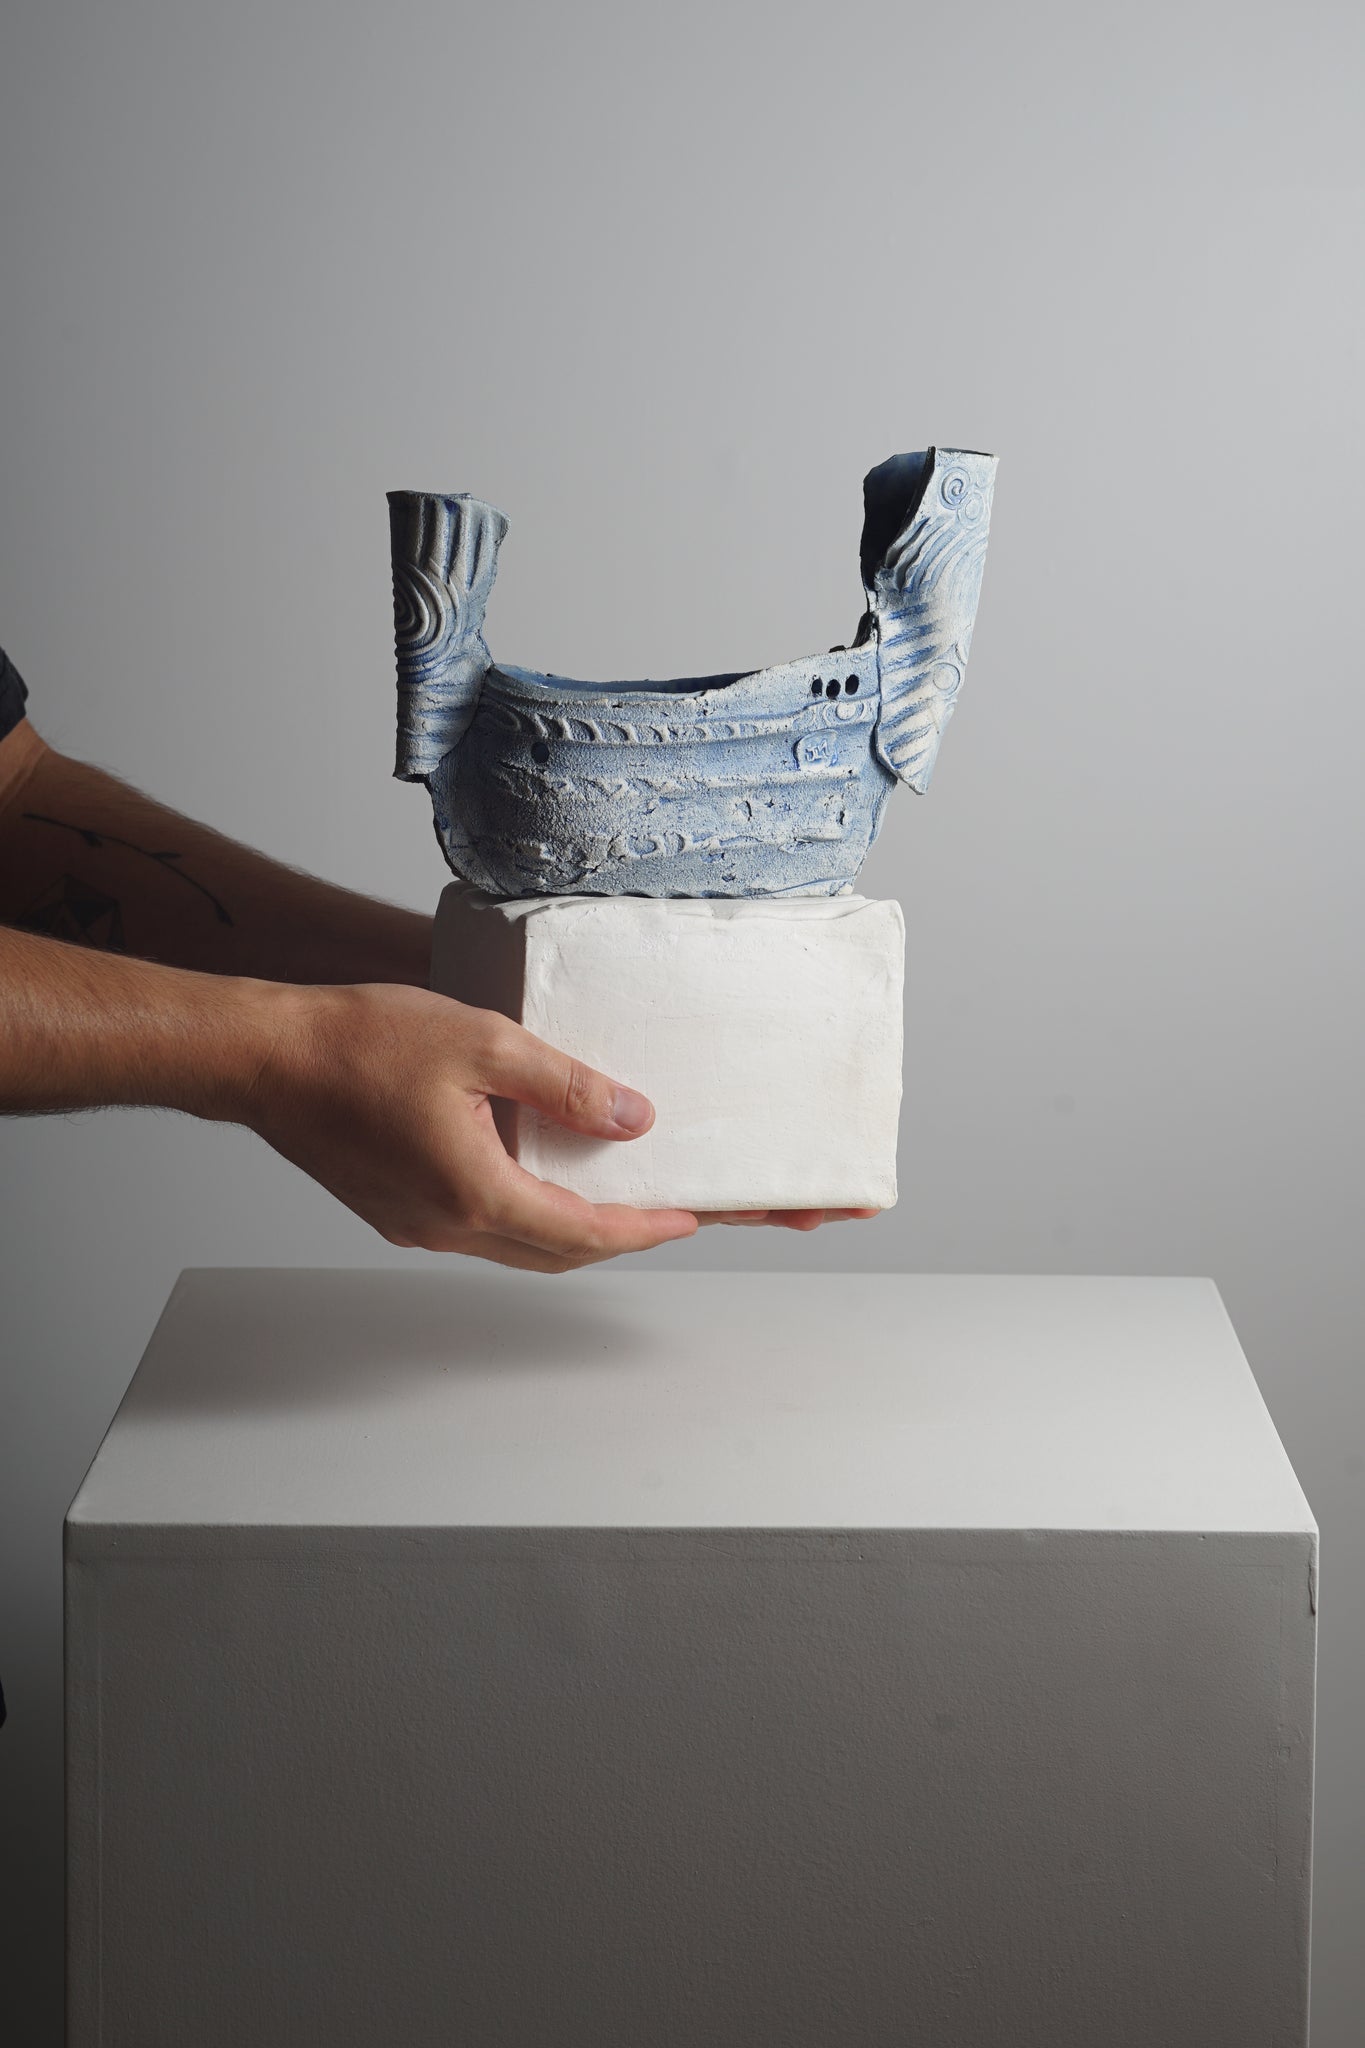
768	783
767	1035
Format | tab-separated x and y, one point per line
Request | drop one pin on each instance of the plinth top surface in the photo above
699	1400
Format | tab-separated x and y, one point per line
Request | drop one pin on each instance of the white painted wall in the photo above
662	283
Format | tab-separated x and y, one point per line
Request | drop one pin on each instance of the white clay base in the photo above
767	1034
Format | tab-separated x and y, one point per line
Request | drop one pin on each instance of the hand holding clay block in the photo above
766	1032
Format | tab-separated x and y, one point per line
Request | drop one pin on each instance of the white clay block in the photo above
766	1032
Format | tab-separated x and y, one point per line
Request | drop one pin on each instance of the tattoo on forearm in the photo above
74	911
163	859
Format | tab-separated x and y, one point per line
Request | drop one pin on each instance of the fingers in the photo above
504	1251
522	1235
490	1196
529	1258
514	1204
785	1219
811	1219
522	1068
798	1219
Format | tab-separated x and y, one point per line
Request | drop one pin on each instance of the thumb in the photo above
522	1068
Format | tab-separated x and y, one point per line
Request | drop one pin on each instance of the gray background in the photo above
662	283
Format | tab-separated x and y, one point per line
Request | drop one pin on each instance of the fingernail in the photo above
631	1112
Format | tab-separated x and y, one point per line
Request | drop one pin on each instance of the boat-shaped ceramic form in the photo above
757	783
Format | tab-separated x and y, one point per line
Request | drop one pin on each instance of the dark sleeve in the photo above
12	695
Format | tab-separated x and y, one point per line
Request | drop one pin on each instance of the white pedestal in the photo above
724	1661
766	1033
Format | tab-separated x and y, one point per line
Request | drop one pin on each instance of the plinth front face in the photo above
678	1777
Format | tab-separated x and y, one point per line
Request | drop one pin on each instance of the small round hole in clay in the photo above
831	689
540	752
851	684
817	686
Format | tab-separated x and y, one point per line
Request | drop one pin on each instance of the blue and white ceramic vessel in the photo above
765	783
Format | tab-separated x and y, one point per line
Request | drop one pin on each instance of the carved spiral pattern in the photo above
423	617
445	554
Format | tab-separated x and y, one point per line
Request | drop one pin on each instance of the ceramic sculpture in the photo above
658	877
767	783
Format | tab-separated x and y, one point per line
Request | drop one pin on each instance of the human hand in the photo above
787	1219
384	1096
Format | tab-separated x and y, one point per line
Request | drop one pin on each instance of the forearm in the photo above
83	856
79	1029
381	1094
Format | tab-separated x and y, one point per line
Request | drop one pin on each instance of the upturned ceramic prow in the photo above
445	556
927	519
